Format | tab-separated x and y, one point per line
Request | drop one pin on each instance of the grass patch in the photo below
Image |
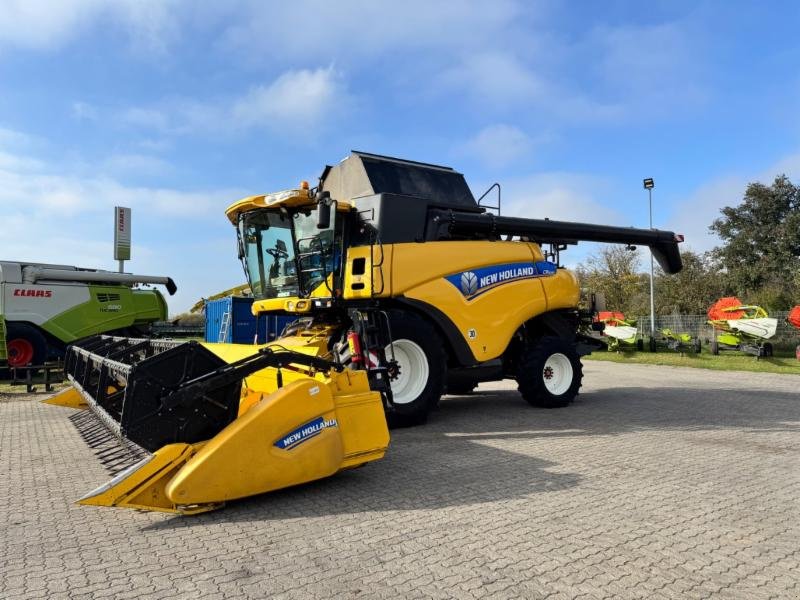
727	361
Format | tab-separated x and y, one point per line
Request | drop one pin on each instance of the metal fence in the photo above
698	326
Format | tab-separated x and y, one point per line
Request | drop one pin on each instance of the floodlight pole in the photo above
649	185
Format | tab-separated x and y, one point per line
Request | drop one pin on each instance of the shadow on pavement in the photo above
451	461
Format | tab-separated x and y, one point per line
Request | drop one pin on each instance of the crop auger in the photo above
401	283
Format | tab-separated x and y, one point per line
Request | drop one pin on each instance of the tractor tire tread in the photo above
531	364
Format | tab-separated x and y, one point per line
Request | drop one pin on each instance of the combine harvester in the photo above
45	307
620	333
741	327
401	283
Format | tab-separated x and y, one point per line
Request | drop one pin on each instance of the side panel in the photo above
290	437
104	308
487	289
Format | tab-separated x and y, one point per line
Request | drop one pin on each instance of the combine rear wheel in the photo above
419	383
715	348
550	373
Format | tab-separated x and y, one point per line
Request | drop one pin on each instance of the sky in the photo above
177	109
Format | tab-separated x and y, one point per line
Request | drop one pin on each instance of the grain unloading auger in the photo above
401	283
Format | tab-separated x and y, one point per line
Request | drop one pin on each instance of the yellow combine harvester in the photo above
402	284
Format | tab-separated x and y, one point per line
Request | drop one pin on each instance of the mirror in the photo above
323	210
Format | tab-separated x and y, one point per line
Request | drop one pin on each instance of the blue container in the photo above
242	324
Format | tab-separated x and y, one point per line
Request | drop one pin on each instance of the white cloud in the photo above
497	79
45	25
296	98
560	196
295	101
361	30
499	145
693	215
72	218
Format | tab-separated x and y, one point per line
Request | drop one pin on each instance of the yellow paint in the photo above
143	487
69	397
293	304
287	198
377	264
486	322
242	460
562	290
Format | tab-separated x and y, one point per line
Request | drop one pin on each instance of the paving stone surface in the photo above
657	483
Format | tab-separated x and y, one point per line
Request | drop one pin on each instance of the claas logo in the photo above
34	293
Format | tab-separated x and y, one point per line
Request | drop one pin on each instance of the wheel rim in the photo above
20	352
557	374
414	371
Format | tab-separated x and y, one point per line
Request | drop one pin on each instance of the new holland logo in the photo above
474	283
469	283
304	432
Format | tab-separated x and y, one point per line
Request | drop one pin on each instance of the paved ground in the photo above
658	483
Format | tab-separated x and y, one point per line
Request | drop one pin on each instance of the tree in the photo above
691	291
761	243
614	272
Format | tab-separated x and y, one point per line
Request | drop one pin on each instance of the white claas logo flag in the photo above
122	233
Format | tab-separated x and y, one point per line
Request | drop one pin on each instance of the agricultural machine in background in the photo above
44	307
619	333
741	327
401	283
678	342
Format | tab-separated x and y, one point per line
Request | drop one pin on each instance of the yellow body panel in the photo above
415	264
562	290
488	321
347	428
366	272
242	459
142	486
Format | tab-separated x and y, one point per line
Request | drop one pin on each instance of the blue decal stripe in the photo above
477	281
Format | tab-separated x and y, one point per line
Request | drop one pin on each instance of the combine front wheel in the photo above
550	373
419	382
26	346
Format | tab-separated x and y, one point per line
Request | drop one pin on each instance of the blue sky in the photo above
178	108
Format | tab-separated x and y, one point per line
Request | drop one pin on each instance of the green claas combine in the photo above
43	308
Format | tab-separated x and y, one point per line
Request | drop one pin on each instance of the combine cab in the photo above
741	327
399	282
